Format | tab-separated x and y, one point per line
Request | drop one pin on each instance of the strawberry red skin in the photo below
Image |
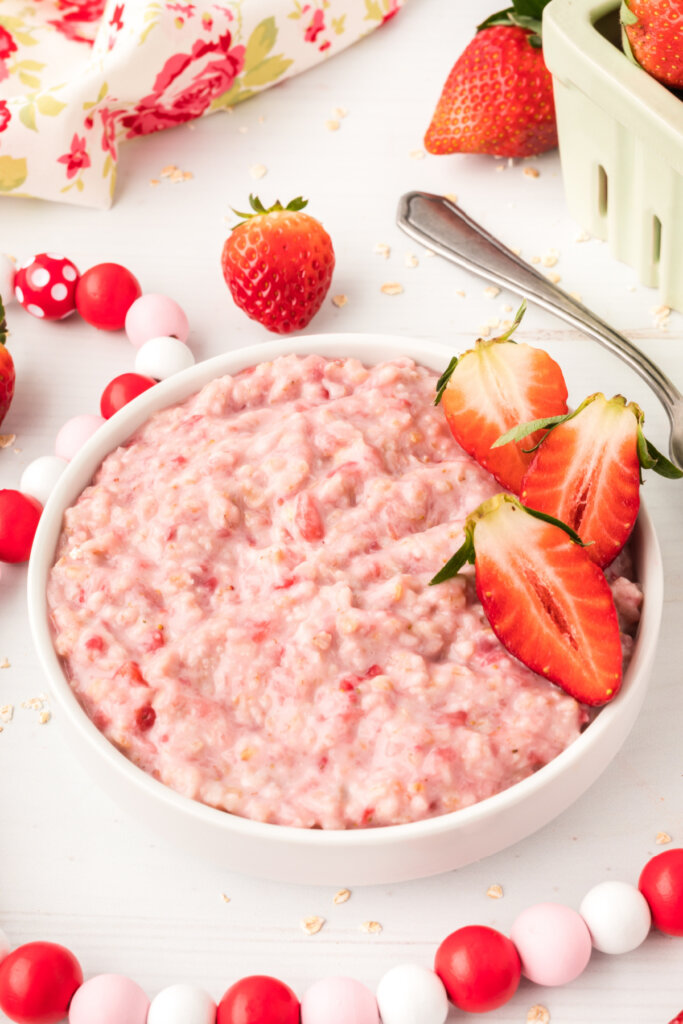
494	387
278	267
548	603
498	99
7	379
656	39
587	474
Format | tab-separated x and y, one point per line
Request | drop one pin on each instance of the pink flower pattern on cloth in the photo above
79	76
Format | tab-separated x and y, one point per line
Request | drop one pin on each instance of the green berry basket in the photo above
621	143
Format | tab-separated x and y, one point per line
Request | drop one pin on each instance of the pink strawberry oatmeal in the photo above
241	603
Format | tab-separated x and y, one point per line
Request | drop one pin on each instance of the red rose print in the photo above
179	95
5	116
77	158
393	10
79	19
315	27
7	44
116	20
109	119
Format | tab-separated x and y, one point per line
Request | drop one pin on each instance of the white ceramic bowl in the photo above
354	857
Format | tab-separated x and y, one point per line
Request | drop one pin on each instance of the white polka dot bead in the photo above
46	286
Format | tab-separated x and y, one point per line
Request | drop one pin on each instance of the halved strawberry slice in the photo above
547	602
586	471
486	390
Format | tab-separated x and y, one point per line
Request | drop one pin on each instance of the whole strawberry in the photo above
7	375
278	265
653	37
498	98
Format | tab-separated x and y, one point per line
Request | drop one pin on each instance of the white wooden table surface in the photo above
73	867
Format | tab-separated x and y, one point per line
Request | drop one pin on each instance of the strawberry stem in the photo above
258	209
462	556
442	382
523	430
650	458
526	14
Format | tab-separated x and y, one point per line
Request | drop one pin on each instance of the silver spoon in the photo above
442	226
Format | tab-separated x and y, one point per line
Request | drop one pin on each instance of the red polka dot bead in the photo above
104	295
45	286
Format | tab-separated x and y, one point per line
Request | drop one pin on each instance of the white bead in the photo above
7	272
41	475
409	993
182	1004
4	945
617	915
162	357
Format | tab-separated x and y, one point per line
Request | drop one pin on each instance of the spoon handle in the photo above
442	226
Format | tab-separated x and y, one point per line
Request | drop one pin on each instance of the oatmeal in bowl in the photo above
238	601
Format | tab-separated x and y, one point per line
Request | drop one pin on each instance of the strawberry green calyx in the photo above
627	17
466	552
442	382
526	14
650	458
258	209
3	324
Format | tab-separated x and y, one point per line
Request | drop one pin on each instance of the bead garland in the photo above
477	968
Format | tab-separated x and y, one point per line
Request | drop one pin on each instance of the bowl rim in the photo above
372	348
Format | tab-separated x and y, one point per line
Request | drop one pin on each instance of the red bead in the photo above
104	295
678	1019
46	286
661	883
37	982
122	390
19	515
480	968
258	1000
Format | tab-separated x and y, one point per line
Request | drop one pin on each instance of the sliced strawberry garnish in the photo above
484	392
547	602
586	472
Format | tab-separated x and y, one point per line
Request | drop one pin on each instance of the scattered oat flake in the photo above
583	236
339	300
428	252
494	892
532	172
550	258
392	288
417	154
6	712
168	170
188	175
154	181
44	717
554	278
33	704
461	293
341	896
176	176
312	925
411	259
382	249
451	196
258	171
332	126
662	838
500	167
340	112
225	898
5	663
517	252
491	291
372	927
484	331
7	439
508	308
535	259
538	1015
577	296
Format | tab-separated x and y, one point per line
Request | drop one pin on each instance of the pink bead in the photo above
339	1001
155	316
553	943
109	999
75	433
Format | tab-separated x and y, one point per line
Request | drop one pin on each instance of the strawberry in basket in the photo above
652	36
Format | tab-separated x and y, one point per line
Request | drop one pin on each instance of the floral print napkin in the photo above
78	77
